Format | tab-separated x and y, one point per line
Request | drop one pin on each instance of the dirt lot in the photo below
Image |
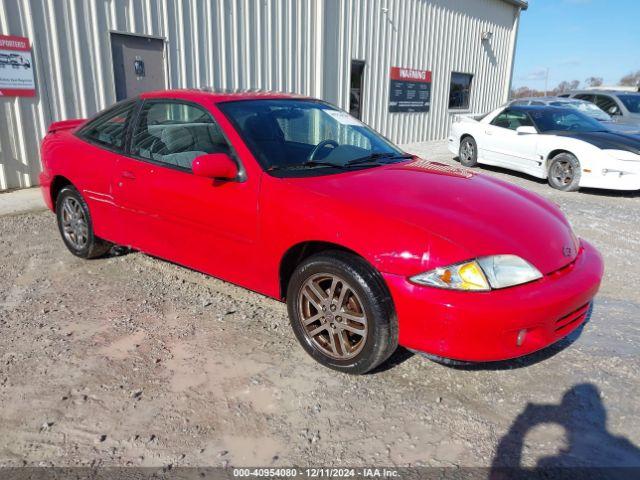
128	360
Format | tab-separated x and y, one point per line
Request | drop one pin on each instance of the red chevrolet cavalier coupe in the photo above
288	196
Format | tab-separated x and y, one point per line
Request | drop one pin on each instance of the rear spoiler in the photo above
65	125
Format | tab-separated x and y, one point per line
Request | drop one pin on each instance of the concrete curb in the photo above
21	201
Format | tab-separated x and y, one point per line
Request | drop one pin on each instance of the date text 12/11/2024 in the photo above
316	472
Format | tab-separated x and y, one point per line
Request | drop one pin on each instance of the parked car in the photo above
588	108
623	106
562	145
292	198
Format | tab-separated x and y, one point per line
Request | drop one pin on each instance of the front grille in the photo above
577	316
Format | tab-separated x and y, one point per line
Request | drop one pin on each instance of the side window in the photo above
460	90
110	128
512	120
176	133
607	104
585	96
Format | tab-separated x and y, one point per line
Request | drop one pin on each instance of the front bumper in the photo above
484	326
611	180
453	145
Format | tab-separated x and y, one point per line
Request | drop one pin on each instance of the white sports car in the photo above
562	145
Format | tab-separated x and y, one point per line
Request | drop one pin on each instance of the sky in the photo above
577	39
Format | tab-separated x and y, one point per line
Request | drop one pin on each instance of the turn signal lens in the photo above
462	276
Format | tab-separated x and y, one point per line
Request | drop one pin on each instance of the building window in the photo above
355	94
460	91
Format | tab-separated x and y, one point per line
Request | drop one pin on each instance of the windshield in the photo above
588	108
631	101
293	134
564	119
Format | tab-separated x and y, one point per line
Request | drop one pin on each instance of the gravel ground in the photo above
128	360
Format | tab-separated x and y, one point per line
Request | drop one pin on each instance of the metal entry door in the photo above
138	64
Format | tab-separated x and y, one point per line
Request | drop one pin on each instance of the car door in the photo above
169	212
506	146
104	141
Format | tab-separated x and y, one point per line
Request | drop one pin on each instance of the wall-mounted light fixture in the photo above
486	36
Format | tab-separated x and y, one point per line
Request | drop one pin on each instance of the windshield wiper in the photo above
372	158
307	164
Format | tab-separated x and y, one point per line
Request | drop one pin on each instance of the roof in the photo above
523	4
547	99
218	95
608	92
537	108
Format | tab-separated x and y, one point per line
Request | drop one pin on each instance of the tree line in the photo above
630	80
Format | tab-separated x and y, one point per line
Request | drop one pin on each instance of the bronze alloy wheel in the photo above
332	316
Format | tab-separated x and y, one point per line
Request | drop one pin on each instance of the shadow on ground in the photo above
590	450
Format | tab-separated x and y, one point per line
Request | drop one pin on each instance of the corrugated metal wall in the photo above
303	46
437	35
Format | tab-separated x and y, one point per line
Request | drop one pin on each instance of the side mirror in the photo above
613	110
525	130
215	165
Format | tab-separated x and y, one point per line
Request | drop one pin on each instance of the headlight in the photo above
485	273
508	270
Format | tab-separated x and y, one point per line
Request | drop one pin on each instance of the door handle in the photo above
128	175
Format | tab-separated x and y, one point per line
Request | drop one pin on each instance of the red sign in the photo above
16	67
410	75
409	90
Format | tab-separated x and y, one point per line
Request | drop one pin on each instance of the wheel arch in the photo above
299	252
57	184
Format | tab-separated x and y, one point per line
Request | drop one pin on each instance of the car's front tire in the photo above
76	228
341	312
468	152
564	172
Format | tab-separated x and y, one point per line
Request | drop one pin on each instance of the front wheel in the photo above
468	152
564	172
341	312
76	228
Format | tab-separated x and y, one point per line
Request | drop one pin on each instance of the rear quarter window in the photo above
109	129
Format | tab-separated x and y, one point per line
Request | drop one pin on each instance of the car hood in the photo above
482	215
606	140
626	128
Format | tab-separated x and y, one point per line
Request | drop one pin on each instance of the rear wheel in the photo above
74	223
341	312
468	152
564	172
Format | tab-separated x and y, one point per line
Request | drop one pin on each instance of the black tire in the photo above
367	289
564	172
468	152
88	246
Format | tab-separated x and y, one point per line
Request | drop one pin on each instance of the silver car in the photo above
623	106
586	107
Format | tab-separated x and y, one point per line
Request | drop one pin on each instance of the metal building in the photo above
403	66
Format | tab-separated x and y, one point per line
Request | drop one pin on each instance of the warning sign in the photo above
410	90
